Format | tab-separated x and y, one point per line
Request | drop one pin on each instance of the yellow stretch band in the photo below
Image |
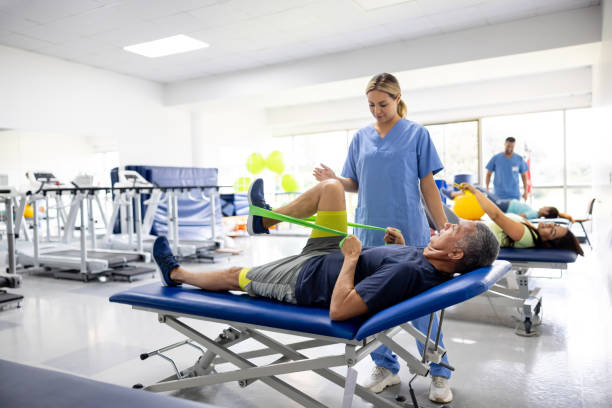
335	220
243	281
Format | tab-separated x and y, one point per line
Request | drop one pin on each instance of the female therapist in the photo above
388	163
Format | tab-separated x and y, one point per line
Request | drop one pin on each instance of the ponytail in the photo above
402	110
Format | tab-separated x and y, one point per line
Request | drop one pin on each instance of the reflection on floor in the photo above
71	326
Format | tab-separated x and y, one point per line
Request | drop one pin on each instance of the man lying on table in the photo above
351	280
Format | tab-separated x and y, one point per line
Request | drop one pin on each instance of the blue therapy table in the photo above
523	262
248	316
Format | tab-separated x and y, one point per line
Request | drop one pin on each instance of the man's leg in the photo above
217	280
439	390
172	274
278	279
328	195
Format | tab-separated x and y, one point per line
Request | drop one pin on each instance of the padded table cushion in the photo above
265	312
537	255
33	387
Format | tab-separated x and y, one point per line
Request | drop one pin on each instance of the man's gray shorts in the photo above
277	279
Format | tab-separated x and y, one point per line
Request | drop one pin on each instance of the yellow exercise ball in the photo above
289	183
28	212
467	207
255	163
275	162
242	184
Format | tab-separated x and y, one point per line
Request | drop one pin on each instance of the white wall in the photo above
225	136
553	90
110	111
602	171
603	74
40	151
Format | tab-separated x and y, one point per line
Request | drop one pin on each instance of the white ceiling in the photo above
243	33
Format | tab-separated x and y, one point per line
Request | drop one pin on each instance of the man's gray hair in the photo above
479	249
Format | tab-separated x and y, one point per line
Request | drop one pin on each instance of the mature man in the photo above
507	166
350	280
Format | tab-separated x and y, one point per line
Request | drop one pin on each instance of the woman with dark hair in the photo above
512	231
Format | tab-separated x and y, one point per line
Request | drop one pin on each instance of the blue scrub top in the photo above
388	172
506	179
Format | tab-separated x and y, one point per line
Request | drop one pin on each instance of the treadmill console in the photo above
45	179
131	178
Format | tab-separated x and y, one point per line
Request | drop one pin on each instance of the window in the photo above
310	150
561	174
579	139
301	154
557	146
539	139
457	146
578	199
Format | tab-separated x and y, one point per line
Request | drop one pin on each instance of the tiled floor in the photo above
71	326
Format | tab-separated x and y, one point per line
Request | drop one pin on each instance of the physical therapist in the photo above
389	164
507	166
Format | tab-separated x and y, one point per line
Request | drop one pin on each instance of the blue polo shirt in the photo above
506	178
384	276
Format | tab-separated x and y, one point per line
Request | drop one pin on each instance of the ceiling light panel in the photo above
167	46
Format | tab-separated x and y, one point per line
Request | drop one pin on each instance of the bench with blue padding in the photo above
33	387
246	316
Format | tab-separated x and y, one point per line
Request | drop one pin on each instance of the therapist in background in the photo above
389	164
507	166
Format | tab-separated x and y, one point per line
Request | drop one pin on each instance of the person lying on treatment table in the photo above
513	231
514	206
351	280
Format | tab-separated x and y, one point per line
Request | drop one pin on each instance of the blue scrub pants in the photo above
384	357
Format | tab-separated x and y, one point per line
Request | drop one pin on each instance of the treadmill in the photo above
83	263
133	184
10	279
127	209
206	250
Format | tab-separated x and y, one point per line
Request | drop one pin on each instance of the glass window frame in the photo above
565	186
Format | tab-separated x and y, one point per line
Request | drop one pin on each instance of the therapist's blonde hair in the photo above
389	84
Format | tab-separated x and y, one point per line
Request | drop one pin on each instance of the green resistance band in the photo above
352	224
253	210
262	212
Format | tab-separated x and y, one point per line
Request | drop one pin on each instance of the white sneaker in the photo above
439	390
379	379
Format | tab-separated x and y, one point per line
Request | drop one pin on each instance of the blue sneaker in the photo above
257	199
165	260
